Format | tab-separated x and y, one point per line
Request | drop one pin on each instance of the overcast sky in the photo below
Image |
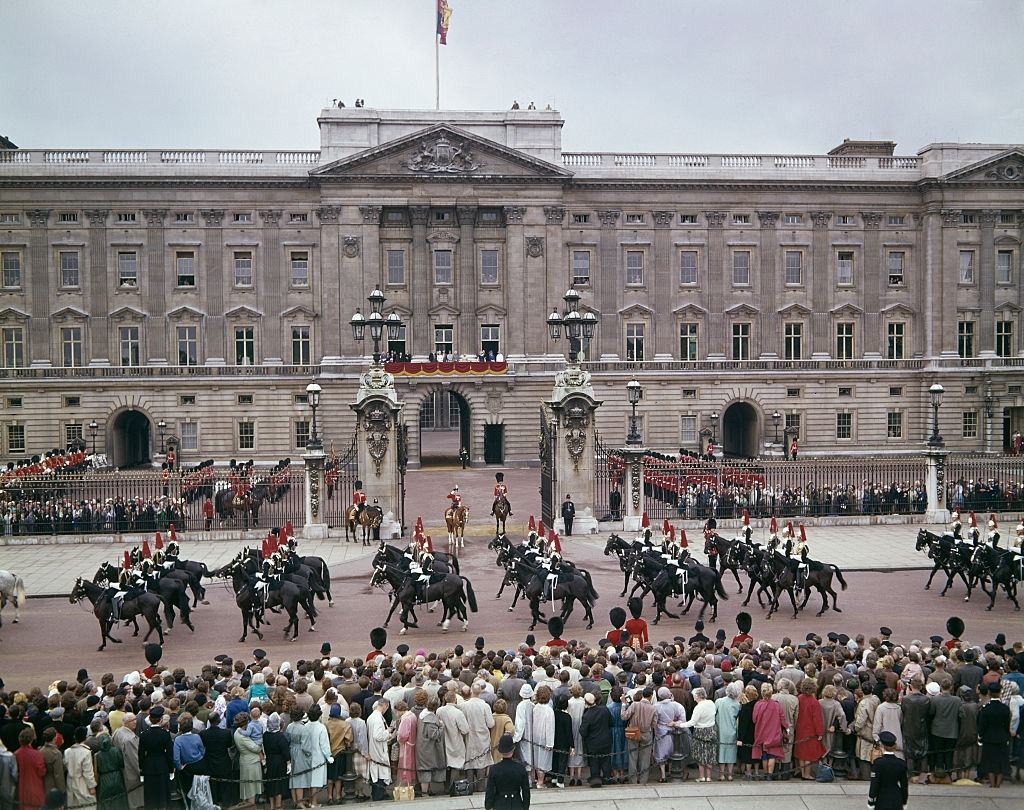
711	76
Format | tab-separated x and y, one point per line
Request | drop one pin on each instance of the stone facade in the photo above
207	288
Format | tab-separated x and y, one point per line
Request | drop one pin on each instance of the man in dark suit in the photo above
218	743
508	786
889	783
156	762
568	514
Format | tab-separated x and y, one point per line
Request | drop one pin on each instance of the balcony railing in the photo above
810	163
209	158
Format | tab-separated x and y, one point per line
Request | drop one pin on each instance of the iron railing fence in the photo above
984	484
341	472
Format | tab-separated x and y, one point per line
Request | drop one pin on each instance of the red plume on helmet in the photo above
419	523
803	533
289	529
541	530
773	527
172	534
746	517
682	539
993	521
665	526
645	522
430	545
158	542
127	560
789	526
972	520
555	544
145	550
532	526
264	550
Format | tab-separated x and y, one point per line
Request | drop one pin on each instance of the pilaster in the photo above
362	251
468	341
39	288
420	282
987	219
99	288
872	281
918	283
275	340
211	287
329	280
518	282
714	295
664	277
947	274
154	287
822	281
767	295
607	282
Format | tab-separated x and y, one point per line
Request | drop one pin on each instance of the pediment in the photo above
127	314
185	314
13	314
690	311
847	309
242	313
637	309
897	309
443	236
742	309
299	311
492	309
1006	167
404	312
443	310
69	314
1006	306
795	311
441	152
1007	240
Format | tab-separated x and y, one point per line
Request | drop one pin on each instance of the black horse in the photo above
290	596
819	577
951	556
999	567
452	590
172	593
226	504
652	575
574	585
145	604
627	552
724	555
778	572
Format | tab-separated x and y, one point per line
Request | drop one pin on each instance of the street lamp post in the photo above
93	427
935	394
577	326
776	417
634	392
714	427
162	427
313	397
990	411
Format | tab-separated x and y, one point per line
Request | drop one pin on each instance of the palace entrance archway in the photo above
739	430
131	440
444	420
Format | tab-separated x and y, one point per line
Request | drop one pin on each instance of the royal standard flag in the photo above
444	14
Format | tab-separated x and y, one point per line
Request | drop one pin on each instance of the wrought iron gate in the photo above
608	478
340	475
548	475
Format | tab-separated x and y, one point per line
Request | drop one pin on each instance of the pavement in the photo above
750	796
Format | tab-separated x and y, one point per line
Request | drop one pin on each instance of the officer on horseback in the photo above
1017	549
421	571
554	568
802	550
993	531
955	526
973	533
500	491
359	498
456	498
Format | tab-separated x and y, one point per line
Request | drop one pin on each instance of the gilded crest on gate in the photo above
442	156
377	429
575	423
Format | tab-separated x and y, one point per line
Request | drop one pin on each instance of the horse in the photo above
307	577
442	564
950	555
652	575
502	509
819	577
574	585
999	567
779	574
369	518
722	552
290	596
171	592
452	590
627	552
456	518
247	604
146	604
12	588
226	504
197	570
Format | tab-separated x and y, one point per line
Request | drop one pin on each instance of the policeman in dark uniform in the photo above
508	785
568	514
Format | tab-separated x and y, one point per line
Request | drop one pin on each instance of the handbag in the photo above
825	773
876	752
633	733
461	787
404	793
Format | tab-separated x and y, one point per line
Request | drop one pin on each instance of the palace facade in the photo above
749	294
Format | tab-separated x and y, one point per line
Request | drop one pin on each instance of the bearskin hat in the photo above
955	626
744	622
378	638
556	626
617	616
154	652
636	607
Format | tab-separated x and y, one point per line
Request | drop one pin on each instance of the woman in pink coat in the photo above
769	723
406	745
808	747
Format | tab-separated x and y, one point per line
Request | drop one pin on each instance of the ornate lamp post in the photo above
576	327
990	411
714	427
313	397
634	392
93	427
935	394
776	416
162	427
376	378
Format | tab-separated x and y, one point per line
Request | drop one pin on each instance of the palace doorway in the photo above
739	430
444	421
131	437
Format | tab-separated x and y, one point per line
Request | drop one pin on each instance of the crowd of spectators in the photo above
578	714
26	516
986	495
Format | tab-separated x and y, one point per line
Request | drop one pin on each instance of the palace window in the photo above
792	219
128	345
966	266
967	218
127	268
300	346
580	219
635	341
741	219
793	341
444	339
1004	267
15	439
687	219
14	347
897	260
397	345
396	267
10	218
894	425
68	217
1005	218
794	267
844	341
634	267
126	216
243	268
634	219
243	218
580	268
189	432
298	218
741	341
688	341
443	267
1004	338
845	219
896	219
301	433
245	345
70	275
71	346
969	424
11	261
741	267
299	260
844	268
184	216
895	390
72	433
246	435
688	267
490	338
965	338
896	332
844	425
185	267
687	430
188	345
489	266
793	424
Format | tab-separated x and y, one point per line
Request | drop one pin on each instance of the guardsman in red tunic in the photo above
793	449
359	498
455	497
500	490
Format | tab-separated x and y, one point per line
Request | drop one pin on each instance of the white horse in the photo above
12	588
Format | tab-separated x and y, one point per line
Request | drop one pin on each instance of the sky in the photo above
682	76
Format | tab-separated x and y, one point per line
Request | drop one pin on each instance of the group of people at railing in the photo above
113	515
986	495
52	463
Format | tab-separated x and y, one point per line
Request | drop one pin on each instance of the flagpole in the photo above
437	73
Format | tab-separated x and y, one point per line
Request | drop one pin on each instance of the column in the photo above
576	410
633	494
665	278
770	335
364	253
821	281
714	296
316	522
468	341
419	282
154	287
987	219
273	339
606	283
330	282
922	301
99	289
935	485
519	284
213	287
38	288
557	276
947	275
873	273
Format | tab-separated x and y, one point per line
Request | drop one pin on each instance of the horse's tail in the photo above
839	576
470	594
590	583
20	594
455	564
718	586
204	571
